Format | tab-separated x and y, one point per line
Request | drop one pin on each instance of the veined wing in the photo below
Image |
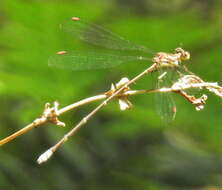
80	60
166	106
99	36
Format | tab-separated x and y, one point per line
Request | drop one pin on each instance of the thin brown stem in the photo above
40	121
81	102
93	112
16	134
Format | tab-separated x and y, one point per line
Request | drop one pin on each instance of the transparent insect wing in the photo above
80	60
96	35
183	70
165	103
99	36
166	108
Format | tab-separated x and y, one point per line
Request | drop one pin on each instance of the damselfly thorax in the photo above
171	59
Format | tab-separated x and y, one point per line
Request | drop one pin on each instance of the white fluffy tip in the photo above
44	157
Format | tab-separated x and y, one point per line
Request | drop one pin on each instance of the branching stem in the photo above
85	119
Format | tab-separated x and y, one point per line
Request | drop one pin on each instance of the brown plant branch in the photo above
49	115
185	82
121	91
82	102
54	112
46	119
46	155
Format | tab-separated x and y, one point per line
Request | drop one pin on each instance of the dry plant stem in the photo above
85	119
81	102
41	121
22	131
46	155
16	134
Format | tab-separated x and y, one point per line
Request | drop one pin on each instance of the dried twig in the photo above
47	119
185	82
46	155
121	91
49	115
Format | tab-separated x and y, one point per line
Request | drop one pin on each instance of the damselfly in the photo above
99	36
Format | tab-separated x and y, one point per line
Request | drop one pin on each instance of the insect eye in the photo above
186	55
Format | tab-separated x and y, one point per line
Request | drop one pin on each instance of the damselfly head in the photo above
184	55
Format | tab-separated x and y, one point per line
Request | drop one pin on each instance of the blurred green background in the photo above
128	150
